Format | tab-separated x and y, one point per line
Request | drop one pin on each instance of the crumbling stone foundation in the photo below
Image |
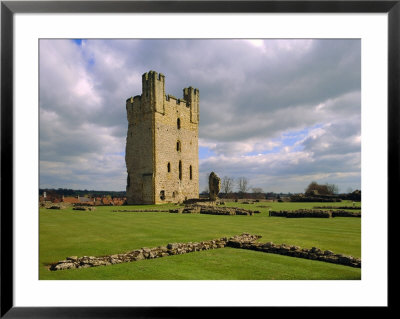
213	210
313	213
243	241
84	208
295	251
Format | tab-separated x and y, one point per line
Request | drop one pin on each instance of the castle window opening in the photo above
169	167
162	195
178	123
178	146
190	171
180	170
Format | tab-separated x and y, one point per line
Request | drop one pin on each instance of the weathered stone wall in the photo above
342	213
295	251
140	211
213	210
214	186
313	213
243	241
160	170
50	205
139	152
148	253
84	208
337	207
309	199
181	182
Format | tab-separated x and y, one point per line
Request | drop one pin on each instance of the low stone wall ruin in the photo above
243	241
313	213
57	206
342	213
310	199
337	207
140	210
148	253
213	210
84	208
295	251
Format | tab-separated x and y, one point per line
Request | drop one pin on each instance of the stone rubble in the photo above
213	210
337	207
342	213
84	208
50	205
243	241
144	253
140	210
295	251
313	213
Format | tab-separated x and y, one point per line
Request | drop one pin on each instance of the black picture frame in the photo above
9	8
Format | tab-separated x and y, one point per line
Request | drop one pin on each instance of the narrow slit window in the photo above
190	171
180	170
169	167
178	146
178	123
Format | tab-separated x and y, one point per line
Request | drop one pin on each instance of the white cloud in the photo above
281	112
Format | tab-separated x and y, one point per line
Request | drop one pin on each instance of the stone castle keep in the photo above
162	144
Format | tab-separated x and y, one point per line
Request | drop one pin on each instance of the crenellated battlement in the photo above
178	101
189	90
132	102
153	75
154	99
132	99
192	96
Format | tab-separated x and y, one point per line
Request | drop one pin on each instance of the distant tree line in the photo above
73	192
318	189
354	196
240	188
244	190
324	193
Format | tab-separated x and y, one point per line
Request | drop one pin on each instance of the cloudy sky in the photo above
281	113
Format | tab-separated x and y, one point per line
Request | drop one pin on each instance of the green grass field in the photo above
77	233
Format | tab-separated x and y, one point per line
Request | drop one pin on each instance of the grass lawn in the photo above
77	233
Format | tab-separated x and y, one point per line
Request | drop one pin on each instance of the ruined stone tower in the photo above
162	144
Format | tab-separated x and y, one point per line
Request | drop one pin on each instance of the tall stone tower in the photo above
162	144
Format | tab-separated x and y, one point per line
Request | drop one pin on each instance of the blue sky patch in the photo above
288	139
77	41
205	152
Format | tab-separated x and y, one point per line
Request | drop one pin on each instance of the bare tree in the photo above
332	188
258	192
227	185
243	184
